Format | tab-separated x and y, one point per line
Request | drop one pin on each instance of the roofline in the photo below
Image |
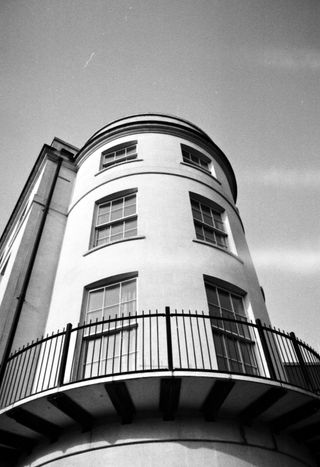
46	151
149	114
118	126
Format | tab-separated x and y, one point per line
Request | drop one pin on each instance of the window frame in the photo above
113	150
111	223
104	287
189	152
229	331
85	338
214	211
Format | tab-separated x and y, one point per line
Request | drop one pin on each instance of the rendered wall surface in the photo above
36	304
170	264
152	442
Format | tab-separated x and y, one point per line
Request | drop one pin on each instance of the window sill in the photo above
137	237
201	170
212	245
234	335
108	332
117	165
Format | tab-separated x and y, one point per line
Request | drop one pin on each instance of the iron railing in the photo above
159	341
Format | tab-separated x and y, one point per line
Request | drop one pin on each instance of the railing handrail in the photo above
185	343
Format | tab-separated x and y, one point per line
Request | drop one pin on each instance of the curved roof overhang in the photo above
159	123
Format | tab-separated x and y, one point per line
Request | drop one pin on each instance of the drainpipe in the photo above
27	277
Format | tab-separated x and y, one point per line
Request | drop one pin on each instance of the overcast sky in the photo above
246	71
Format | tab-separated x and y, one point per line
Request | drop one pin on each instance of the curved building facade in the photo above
129	258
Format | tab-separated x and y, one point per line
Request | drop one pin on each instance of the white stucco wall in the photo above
188	442
170	264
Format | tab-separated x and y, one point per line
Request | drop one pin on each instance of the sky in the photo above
246	71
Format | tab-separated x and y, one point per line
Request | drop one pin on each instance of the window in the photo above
194	157
233	344
111	300
115	219
120	153
208	223
111	347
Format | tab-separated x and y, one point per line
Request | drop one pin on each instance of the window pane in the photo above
128	307
229	325
214	310
109	157
235	366
221	240
103	214
94	315
129	210
128	291
215	323
104	208
222	364
194	159
219	345
116	209
238	305
243	330
130	205
121	153
116	232
205	210
129	200
249	370
225	301
116	214
199	231
207	218
111	310
130	228
219	224
232	349
112	295
204	164
209	235
131	150
95	300
196	214
212	294
103	218
102	236
247	353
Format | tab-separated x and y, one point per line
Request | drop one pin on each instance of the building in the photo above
129	257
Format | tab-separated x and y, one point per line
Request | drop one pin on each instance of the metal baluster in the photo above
205	330
178	338
266	349
169	338
65	350
306	376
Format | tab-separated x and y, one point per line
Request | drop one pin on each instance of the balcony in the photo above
166	361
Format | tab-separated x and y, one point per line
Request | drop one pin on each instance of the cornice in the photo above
47	153
187	131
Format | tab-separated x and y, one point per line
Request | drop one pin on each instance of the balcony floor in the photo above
168	395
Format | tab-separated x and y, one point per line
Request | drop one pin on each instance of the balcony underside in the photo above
168	395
